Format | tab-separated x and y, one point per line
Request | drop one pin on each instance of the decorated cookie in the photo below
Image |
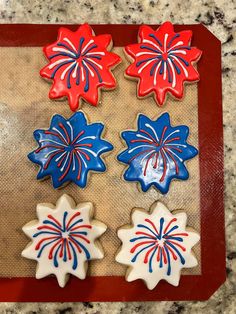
162	61
156	153
79	65
69	149
63	239
157	246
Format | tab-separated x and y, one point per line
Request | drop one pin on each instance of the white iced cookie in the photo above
157	246
63	239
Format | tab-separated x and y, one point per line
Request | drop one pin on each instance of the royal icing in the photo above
80	64
63	239
162	61
157	246
156	153
69	149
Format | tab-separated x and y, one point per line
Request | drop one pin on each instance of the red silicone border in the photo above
211	184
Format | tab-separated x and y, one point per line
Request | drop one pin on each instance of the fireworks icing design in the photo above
159	243
79	64
69	149
156	153
157	246
63	239
162	60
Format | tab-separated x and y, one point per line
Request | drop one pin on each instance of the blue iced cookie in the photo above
156	153
69	149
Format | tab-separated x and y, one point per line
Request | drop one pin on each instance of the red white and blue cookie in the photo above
80	65
162	61
69	150
157	246
64	239
156	153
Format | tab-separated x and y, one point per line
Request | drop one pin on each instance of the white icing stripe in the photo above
151	152
64	50
180	145
164	76
95	53
55	129
87	45
52	141
88	150
75	71
99	65
80	155
146	138
183	68
85	138
86	65
82	74
148	53
58	158
52	65
67	156
131	150
165	41
179	43
73	162
153	44
175	155
66	70
169	161
51	152
145	65
183	52
176	131
70	43
71	130
155	74
173	72
153	130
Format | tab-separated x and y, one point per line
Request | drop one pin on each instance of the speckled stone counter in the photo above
220	18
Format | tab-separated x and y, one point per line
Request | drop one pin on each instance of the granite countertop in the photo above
220	18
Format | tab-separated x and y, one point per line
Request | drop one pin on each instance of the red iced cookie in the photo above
162	61
79	65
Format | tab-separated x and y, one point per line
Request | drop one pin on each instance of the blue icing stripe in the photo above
81	41
78	58
172	39
156	39
55	260
75	259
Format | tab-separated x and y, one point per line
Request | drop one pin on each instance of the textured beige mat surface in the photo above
24	107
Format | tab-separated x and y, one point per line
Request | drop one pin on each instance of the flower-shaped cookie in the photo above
156	153
79	65
157	246
162	61
64	239
69	149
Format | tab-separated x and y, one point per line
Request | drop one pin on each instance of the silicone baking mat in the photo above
25	107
